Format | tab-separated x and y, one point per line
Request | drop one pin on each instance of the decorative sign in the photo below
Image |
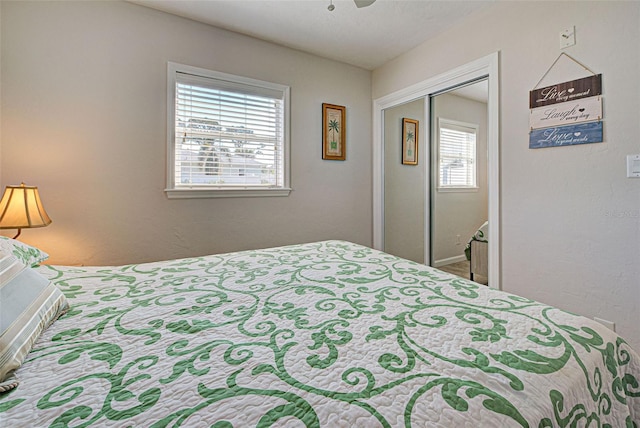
569	135
567	113
567	91
583	110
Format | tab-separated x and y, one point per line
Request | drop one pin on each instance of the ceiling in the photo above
366	37
478	91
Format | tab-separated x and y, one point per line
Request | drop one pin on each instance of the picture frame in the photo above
334	144
410	129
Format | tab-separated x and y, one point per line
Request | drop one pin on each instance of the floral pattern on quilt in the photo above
328	334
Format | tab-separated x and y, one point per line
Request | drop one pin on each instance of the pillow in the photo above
27	254
29	304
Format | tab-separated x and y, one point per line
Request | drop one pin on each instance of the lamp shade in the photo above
21	208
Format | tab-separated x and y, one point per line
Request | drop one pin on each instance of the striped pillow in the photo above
29	303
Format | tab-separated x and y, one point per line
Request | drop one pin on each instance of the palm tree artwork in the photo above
410	139
333	132
334	127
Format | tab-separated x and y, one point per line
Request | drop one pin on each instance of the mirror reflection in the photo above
436	212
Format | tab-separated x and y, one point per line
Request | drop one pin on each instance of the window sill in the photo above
458	189
226	193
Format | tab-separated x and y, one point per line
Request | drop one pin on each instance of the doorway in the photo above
410	197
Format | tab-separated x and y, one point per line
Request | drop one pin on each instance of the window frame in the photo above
457	124
202	191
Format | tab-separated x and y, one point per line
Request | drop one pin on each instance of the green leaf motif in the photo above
532	362
122	389
450	392
576	416
330	338
9	404
474	316
295	406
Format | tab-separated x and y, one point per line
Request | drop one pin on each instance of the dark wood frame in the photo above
328	152
406	160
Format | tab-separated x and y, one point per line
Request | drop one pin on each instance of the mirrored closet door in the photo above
433	208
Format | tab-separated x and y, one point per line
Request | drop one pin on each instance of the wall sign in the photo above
566	113
571	112
584	133
567	91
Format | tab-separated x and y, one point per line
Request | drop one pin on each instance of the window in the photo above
227	135
456	155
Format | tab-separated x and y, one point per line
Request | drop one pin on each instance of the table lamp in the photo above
21	208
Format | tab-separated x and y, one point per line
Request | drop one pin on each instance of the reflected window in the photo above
457	155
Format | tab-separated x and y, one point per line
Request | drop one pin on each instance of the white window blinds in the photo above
228	132
457	154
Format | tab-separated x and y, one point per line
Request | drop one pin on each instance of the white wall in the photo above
460	213
404	189
1	187
570	219
84	97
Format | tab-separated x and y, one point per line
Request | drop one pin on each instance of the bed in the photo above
325	334
477	252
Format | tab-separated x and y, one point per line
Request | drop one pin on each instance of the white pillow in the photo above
29	303
30	256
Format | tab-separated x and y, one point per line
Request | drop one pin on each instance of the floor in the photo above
462	269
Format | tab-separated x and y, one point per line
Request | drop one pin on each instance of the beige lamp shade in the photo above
21	208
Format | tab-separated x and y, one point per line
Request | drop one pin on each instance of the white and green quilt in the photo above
327	334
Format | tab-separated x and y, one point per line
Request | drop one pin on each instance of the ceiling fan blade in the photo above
363	3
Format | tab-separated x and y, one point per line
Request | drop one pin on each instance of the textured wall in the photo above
84	92
570	218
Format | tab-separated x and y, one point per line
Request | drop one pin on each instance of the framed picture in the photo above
334	145
409	141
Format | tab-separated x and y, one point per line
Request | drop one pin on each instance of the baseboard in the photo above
448	261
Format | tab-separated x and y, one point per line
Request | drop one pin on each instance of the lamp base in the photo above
18	234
